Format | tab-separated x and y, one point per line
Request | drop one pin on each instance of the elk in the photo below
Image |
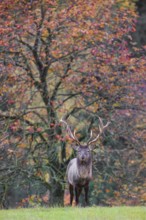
79	169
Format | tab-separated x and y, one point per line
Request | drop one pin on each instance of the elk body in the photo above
79	169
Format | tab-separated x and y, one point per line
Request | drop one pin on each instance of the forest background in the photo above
80	60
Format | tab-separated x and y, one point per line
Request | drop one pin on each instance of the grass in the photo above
94	213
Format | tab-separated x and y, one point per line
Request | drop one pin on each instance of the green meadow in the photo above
91	213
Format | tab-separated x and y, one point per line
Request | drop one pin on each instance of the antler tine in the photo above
94	140
74	133
101	126
101	129
73	136
90	137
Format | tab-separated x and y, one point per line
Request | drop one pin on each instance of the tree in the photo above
60	59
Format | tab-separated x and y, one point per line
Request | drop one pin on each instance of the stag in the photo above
79	169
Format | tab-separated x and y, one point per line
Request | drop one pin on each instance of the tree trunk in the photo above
56	195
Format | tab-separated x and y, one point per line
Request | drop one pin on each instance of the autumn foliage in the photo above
78	59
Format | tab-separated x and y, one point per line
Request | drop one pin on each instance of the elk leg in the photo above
86	188
78	191
71	193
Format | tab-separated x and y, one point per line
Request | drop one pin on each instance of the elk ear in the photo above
76	148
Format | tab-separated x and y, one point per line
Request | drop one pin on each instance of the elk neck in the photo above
84	168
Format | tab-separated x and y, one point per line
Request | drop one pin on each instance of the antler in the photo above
101	129
72	135
90	137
